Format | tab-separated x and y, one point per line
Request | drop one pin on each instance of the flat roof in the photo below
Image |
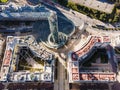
75	75
21	76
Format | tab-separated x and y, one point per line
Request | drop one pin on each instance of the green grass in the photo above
3	1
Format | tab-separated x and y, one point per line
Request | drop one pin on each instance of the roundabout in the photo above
61	42
56	39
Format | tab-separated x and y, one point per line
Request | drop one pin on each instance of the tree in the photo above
103	17
116	18
110	20
72	5
62	2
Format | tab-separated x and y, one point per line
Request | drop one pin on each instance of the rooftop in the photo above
11	60
96	72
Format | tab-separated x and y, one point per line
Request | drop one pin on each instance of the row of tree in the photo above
114	0
105	17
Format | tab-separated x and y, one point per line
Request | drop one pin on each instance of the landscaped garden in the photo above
25	65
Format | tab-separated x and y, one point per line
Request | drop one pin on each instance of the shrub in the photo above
72	6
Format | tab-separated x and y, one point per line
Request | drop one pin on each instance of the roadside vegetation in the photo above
103	16
107	29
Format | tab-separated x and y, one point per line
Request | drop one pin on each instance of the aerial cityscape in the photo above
59	44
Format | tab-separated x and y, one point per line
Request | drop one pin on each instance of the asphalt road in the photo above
27	86
89	86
